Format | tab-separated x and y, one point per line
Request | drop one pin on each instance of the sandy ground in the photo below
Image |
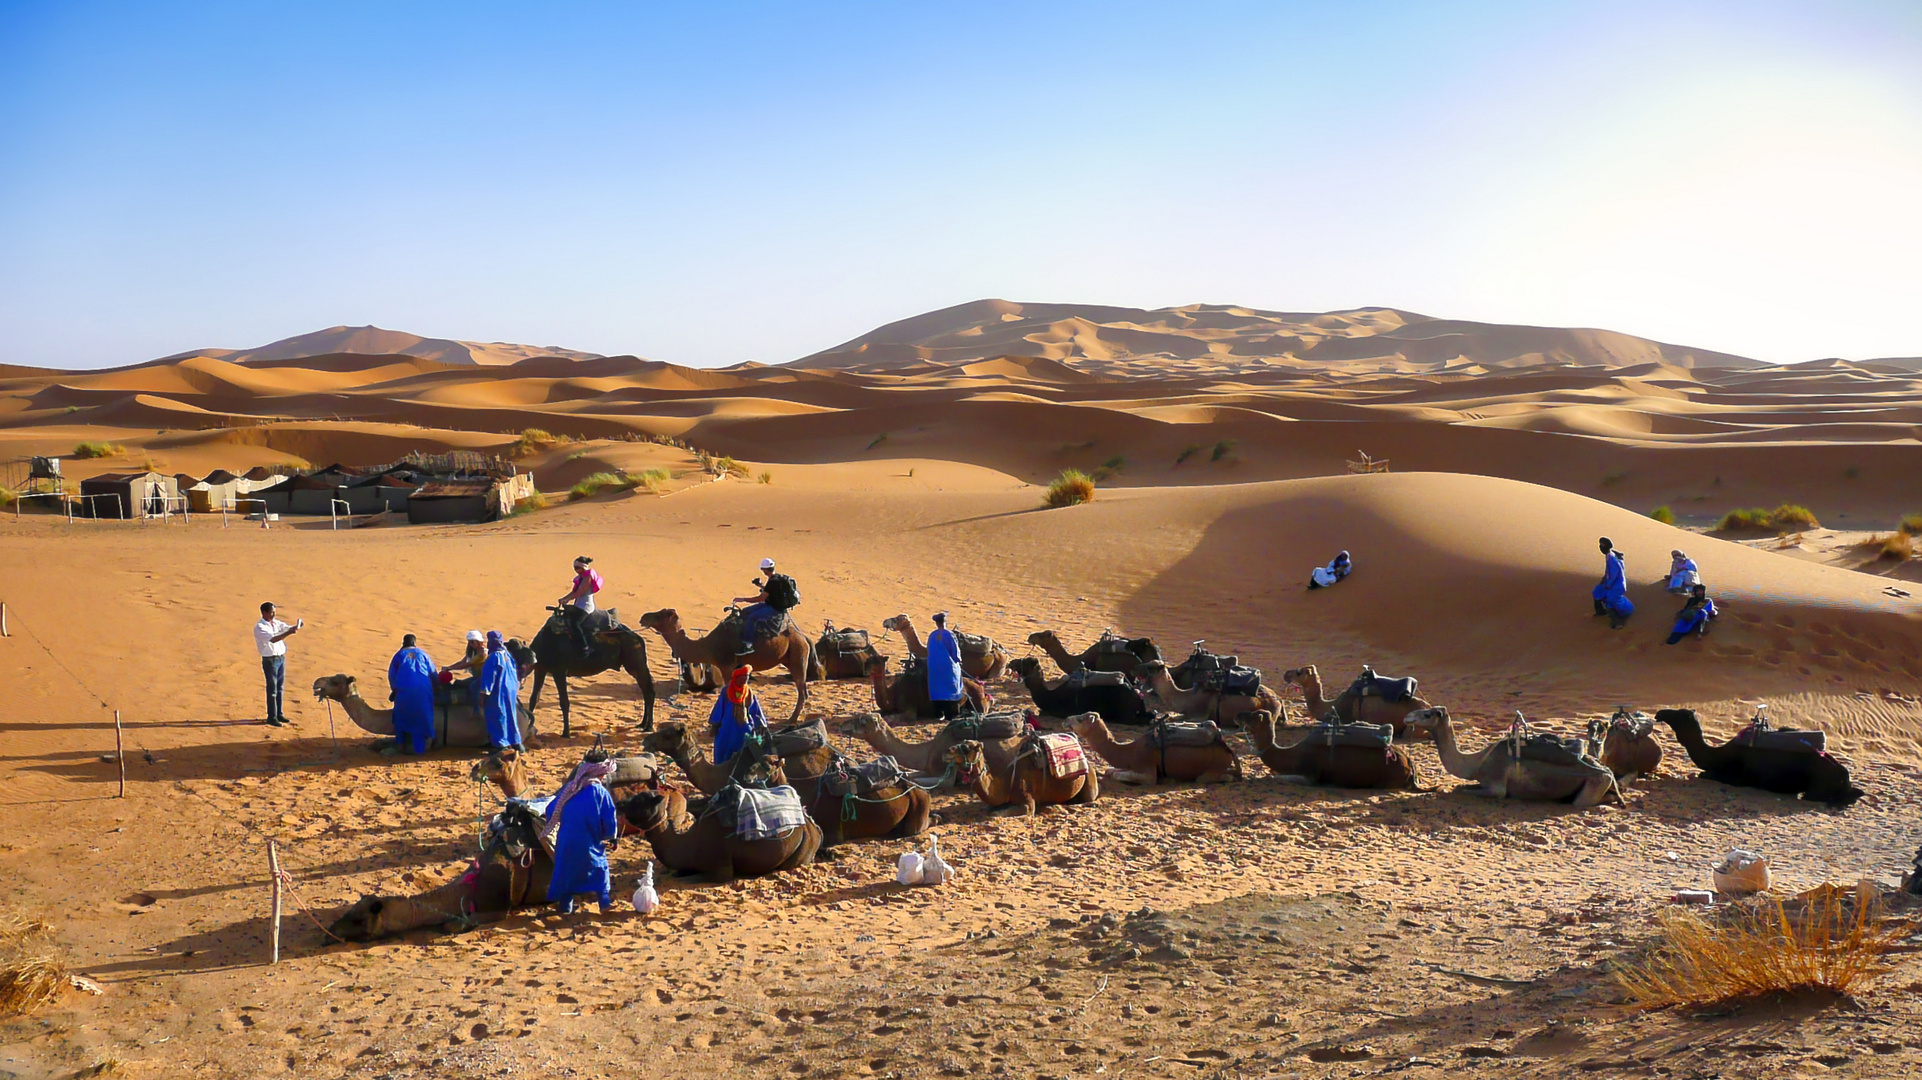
1253	929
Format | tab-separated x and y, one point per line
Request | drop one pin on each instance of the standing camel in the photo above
789	648
1352	708
1222	708
555	652
981	657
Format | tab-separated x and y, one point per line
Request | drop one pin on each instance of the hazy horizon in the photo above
757	182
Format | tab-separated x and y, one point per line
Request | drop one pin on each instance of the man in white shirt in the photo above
270	636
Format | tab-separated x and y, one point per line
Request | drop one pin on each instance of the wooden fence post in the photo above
119	754
273	868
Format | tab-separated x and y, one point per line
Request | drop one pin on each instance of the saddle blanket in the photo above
1085	678
1389	690
974	644
1793	740
863	779
1546	747
1061	753
844	641
760	813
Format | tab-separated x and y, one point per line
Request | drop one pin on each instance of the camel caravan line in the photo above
788	796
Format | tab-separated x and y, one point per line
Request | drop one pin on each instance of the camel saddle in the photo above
1085	678
638	769
1165	733
1548	747
974	644
598	621
516	830
1761	736
1637	724
751	813
1060	752
1393	691
792	740
844	779
1116	646
990	728
769	626
844	642
1219	674
1372	736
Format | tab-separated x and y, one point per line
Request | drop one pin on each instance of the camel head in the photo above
1086	724
1430	719
1150	671
1259	722
1041	639
967	758
665	620
645	810
362	922
1025	666
896	623
1302	676
669	739
874	666
502	767
335	687
861	724
522	653
1679	720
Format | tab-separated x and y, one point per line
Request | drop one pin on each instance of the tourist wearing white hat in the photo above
776	594
471	663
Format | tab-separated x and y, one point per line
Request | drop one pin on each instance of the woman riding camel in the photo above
470	663
578	604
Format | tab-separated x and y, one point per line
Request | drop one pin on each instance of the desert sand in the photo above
1255	929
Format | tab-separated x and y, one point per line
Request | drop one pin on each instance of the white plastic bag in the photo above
934	869
645	898
1741	873
907	869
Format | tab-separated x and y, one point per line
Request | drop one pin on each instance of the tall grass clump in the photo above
1792	516
1663	514
1911	524
1734	520
766	477
593	485
1187	452
1900	546
1783	518
530	504
878	440
1071	487
8	497
534	440
1829	943
31	974
723	465
98	450
1109	468
651	479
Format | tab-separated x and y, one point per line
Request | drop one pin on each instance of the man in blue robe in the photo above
500	685
1611	595
587	822
737	712
410	677
1694	616
944	668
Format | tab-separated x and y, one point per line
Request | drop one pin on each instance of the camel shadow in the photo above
229	760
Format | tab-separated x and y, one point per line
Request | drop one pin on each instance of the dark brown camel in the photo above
555	652
1813	775
789	648
906	694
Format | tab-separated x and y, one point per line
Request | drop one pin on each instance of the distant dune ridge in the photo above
372	340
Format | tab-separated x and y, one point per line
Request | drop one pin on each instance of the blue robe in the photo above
731	728
410	674
580	862
944	667
500	685
1613	591
1691	618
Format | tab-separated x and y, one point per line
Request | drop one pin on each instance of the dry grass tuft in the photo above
1663	514
534	440
1830	940
590	486
8	496
1911	524
1071	487
1790	515
98	450
1898	546
31	975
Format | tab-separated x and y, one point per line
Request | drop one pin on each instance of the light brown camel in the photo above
981	656
847	808
454	725
906	694
928	756
1206	704
1352	708
672	740
1312	759
790	649
1143	761
1024	785
499	885
506	769
1499	773
1101	656
1626	744
686	845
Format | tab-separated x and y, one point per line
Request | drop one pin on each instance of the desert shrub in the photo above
1663	514
878	440
534	440
601	481
1187	452
1900	546
1734	520
725	466
98	450
8	497
530	504
1911	524
1222	449
765	477
1790	515
1830	942
651	479
1071	487
31	974
576	455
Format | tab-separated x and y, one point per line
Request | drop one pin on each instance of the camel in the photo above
1812	774
844	652
555	654
907	693
506	769
496	885
789	648
1626	744
1499	773
688	845
848	806
981	657
454	725
1101	656
1023	785
929	756
1121	704
1350	707
673	741
1145	761
1205	704
1340	765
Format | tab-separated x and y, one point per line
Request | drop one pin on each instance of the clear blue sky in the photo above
713	182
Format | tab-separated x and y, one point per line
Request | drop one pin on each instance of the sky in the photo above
714	182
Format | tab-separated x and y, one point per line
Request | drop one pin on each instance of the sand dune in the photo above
375	341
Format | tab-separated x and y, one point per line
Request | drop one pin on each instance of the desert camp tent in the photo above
215	492
438	502
127	495
315	492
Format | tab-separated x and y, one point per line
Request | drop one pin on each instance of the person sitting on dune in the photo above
1683	574
1611	594
1694	616
1324	576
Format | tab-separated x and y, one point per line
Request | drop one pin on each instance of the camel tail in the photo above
816	672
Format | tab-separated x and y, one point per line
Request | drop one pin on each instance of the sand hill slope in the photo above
375	341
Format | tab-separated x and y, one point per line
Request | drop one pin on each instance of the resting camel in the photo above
497	885
1096	658
1815	776
789	649
1626	744
1143	761
1350	707
671	740
981	657
1022	786
1499	774
837	663
1336	766
1206	704
554	653
454	725
1117	704
686	845
847	809
506	769
929	756
906	694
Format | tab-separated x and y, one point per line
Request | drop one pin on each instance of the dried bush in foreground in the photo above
1828	940
1071	487
30	974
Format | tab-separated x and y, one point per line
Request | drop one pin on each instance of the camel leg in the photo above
1217	776
915	822
637	667
798	674
1131	776
534	697
560	690
1090	790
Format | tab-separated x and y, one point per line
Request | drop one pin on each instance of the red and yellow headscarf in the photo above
737	685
